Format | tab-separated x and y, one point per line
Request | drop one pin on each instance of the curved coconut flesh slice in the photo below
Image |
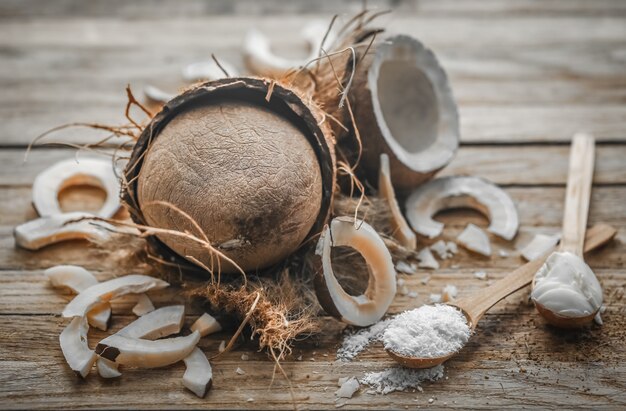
73	341
401	230
144	305
142	353
406	109
108	290
159	323
368	308
45	231
198	376
107	369
78	279
262	60
205	325
539	245
208	71
475	239
461	192
157	95
87	171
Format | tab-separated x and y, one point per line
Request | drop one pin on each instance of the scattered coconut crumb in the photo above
435	298
401	282
400	379
354	343
240	371
413	294
481	275
404	290
475	239
430	400
244	357
427	260
425	280
250	399
299	358
452	248
406	268
347	387
449	293
503	253
539	245
443	249
222	346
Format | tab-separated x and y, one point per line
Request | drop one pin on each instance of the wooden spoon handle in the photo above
477	304
578	193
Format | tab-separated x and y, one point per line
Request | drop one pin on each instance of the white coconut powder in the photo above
427	332
354	343
400	379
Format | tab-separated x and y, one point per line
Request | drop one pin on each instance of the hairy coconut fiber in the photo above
253	175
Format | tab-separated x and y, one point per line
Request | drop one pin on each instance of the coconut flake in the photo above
73	340
198	376
356	342
540	244
406	268
481	275
206	324
427	260
107	369
475	239
401	379
159	323
442	249
144	305
347	388
449	293
435	298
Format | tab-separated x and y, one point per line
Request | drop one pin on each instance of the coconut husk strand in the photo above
244	162
403	106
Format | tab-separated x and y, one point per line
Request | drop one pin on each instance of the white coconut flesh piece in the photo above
86	171
108	290
264	62
539	245
73	341
461	192
368	308
141	353
413	104
205	325
78	279
475	239
157	95
198	376
159	323
45	231
426	259
144	305
401	230
107	369
208	70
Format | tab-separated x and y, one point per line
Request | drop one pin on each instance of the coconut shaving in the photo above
400	379
354	343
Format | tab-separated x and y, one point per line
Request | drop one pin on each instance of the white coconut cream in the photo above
566	286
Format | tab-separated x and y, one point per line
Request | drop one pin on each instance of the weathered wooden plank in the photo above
525	165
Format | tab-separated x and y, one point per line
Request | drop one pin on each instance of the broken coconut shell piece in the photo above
159	323
401	230
262	61
475	239
78	279
143	353
108	290
461	192
205	325
371	306
144	305
85	171
279	158
198	376
41	232
73	341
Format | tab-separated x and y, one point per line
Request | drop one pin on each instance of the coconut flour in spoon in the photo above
429	331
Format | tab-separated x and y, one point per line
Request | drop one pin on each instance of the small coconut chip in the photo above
222	346
444	249
45	231
86	171
73	341
481	275
427	260
406	268
401	230
208	71
157	324
449	293
368	308
206	324
107	369
141	353
198	376
157	95
144	305
457	192
475	239
539	245
108	290
78	279
347	387
435	298
240	371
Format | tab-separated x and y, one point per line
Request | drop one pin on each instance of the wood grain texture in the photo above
527	75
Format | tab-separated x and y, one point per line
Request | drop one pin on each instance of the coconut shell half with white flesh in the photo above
247	159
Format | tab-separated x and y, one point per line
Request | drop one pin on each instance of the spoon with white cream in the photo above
565	290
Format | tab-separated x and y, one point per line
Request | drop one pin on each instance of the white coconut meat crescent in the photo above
461	192
86	171
198	376
108	290
142	353
371	306
73	341
157	324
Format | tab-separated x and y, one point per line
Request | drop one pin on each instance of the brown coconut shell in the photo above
275	97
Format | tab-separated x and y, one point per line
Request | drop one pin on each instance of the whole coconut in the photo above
243	168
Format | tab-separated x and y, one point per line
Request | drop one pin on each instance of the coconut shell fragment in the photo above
264	167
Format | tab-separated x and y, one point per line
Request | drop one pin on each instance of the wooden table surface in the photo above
526	74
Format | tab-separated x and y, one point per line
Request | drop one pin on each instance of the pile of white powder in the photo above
427	332
400	379
354	343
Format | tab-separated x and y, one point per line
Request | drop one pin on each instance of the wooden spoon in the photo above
475	306
577	196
